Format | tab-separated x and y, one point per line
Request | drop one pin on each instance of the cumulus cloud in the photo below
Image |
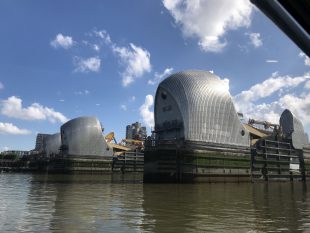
209	20
306	58
60	40
102	34
87	64
12	107
9	128
272	61
270	86
93	46
159	76
298	104
124	107
254	104
146	113
136	60
255	39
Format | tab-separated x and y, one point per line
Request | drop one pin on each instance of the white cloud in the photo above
251	102
1	86
84	92
9	128
306	58
86	65
61	100
96	47
62	41
307	85
225	83
124	107
146	113
12	107
133	99
5	148
255	39
103	35
159	76
300	105
270	86
136	60
209	20
272	61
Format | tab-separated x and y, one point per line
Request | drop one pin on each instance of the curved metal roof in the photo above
83	137
52	144
293	128
206	107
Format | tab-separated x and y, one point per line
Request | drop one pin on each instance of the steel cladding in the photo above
293	129
40	142
195	105
83	137
52	144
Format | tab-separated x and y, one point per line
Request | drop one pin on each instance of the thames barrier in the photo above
198	137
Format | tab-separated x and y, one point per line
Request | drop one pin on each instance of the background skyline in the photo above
61	60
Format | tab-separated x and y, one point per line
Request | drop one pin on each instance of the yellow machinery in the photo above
132	142
125	145
109	137
257	133
266	124
117	148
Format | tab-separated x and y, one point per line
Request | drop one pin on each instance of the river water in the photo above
114	203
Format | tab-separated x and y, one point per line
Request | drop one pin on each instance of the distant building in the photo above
52	144
136	132
40	142
19	153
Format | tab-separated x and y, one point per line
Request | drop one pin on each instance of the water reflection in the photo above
117	203
281	207
273	207
94	203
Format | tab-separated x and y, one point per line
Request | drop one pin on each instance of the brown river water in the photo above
116	203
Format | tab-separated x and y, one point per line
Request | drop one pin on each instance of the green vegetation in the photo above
88	163
217	160
11	156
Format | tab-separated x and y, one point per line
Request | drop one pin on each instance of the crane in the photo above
109	137
266	124
134	142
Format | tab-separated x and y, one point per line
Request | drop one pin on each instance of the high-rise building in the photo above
136	132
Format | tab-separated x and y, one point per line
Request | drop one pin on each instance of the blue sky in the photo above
64	59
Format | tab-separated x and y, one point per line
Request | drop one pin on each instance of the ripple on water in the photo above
82	203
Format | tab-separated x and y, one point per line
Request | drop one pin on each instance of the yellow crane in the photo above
109	137
134	142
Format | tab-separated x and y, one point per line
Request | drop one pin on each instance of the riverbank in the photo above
129	162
